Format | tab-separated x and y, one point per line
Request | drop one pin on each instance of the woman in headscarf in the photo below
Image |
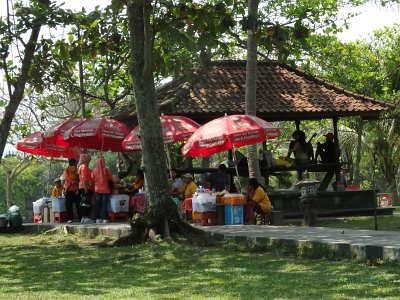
102	177
71	189
86	187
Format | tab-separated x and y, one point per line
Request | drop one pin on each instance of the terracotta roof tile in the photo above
283	93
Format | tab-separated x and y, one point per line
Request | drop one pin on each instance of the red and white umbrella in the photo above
35	144
225	132
174	129
56	132
102	134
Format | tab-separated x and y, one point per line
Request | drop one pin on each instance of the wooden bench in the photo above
267	171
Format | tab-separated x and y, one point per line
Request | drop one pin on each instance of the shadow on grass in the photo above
71	266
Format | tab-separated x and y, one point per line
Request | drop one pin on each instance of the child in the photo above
58	189
117	186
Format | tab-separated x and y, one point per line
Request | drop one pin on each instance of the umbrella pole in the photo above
236	168
48	187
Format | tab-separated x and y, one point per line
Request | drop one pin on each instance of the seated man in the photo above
220	180
327	153
326	150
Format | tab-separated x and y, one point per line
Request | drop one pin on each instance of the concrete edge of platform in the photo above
93	230
113	230
317	249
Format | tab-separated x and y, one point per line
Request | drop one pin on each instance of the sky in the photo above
371	17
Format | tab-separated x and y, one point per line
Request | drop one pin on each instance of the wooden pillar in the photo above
337	147
297	125
232	182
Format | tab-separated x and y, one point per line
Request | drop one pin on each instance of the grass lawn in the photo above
384	223
73	267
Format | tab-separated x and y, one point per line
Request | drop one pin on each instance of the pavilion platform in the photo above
334	243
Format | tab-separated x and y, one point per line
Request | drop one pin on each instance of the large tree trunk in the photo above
157	197
19	87
251	85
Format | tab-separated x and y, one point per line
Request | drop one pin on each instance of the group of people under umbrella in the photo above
105	134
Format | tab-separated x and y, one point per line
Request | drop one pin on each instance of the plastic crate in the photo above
233	214
206	218
37	218
60	217
118	217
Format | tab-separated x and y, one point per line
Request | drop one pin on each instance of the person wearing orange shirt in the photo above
86	187
102	177
71	179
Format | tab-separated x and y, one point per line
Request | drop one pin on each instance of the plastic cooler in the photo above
230	199
60	217
118	216
119	203
58	204
233	214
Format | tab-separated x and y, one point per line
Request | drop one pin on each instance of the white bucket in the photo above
37	207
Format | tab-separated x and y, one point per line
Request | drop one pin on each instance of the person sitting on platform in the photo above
177	182
327	153
58	189
258	196
138	184
300	149
220	180
257	201
326	150
188	189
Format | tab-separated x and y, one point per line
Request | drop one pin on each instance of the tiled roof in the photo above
283	93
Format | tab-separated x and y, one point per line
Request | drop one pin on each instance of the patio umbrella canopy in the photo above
35	144
102	134
174	129
56	132
225	132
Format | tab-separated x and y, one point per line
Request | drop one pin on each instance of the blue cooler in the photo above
233	214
